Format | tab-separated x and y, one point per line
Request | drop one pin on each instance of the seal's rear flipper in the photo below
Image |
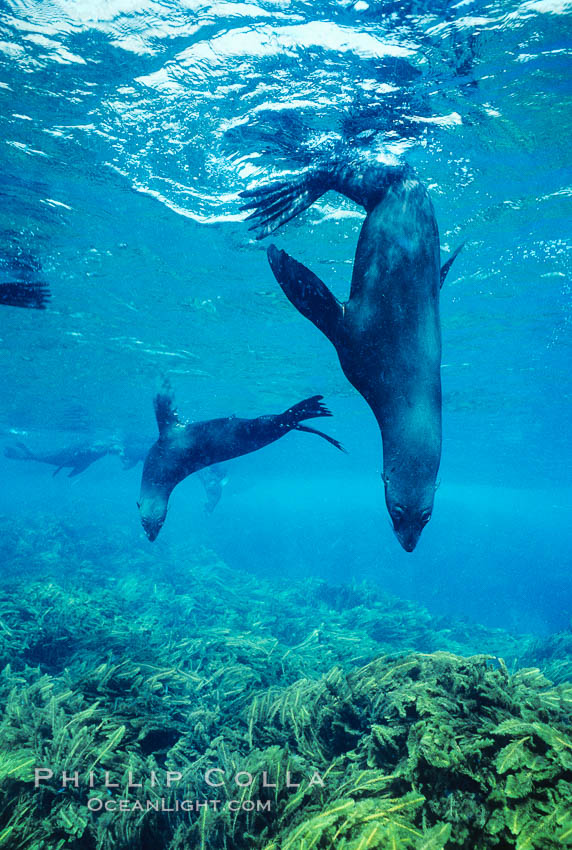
363	181
310	408
307	293
446	266
165	411
21	294
321	434
276	203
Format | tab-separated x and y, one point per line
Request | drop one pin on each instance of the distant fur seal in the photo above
213	478
75	458
387	335
183	449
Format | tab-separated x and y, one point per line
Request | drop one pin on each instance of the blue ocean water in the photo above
129	130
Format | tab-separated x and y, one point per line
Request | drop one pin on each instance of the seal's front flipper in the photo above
307	293
80	467
165	411
446	266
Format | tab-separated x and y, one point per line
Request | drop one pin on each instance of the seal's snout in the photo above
153	515
408	525
408	538
151	527
152	532
408	545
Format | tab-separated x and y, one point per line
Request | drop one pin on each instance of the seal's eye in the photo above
397	513
425	517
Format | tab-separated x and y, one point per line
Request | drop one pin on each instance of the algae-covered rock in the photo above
481	757
115	666
553	654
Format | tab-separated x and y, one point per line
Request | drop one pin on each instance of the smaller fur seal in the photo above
135	449
76	458
183	449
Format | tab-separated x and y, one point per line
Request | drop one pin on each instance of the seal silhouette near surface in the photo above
387	334
183	449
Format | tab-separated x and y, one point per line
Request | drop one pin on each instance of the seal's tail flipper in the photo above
276	203
446	266
310	408
307	293
165	410
19	451
34	295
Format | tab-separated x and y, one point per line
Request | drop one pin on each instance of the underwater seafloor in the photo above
330	716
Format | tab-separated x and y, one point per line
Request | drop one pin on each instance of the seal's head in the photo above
153	511
410	510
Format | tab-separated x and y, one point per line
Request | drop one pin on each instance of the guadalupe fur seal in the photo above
135	449
183	449
76	458
387	335
213	478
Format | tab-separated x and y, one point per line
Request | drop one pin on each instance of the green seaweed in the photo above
195	667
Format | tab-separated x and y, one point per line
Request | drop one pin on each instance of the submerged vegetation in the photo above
329	717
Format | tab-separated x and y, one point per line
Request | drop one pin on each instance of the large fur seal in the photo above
387	335
183	449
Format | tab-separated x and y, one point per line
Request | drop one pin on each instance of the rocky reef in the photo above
183	705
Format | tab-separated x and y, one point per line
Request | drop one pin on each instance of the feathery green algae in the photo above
110	665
